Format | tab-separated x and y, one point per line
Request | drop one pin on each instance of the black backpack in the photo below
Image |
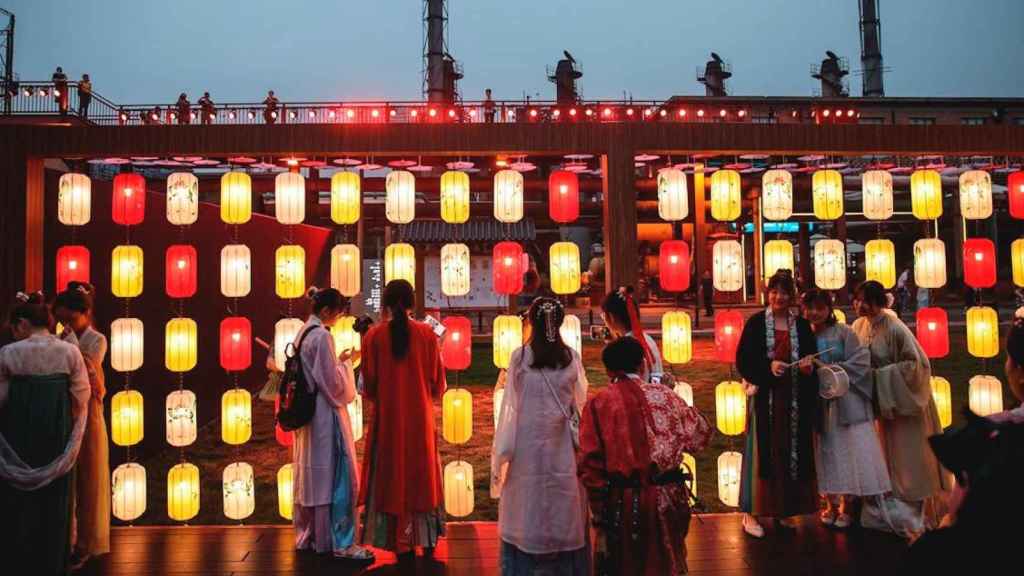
297	402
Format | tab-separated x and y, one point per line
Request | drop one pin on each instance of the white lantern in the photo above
829	264
181	418
400	197
673	196
346	269
128	492
239	491
930	263
730	468
455	269
876	191
985	395
508	196
777	195
458	488
182	198
285	332
290	198
126	344
976	194
571	333
235	271
74	199
727	270
684	391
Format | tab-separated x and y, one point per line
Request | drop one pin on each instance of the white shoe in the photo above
828	517
752	527
843	521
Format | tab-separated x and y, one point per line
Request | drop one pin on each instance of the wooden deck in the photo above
716	543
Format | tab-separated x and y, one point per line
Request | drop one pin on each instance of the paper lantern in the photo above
985	395
676	337
74	199
126	271
829	264
777	195
943	400
286	489
673	196
1015	194
126	344
674	265
457	343
1017	261
975	195
880	262
690	465
455	269
457	416
507	271
355	417
982	332
565	268
727	265
827	192
400	197
290	198
181	270
876	192
239	491
72	265
728	327
400	263
926	194
128	492
778	255
730	466
684	391
508	196
290	263
499	396
458	488
346	337
730	408
183	492
235	343
129	204
285	331
508	335
283	438
126	418
572	333
180	345
235	197
455	197
236	416
235	271
725	195
840	316
930	263
933	331
979	263
563	196
181	418
346	200
345	268
182	198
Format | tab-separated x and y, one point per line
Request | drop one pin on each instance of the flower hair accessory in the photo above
311	292
21	297
553	313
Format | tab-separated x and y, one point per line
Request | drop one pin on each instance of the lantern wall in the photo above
126	344
180	271
674	265
455	270
926	194
239	491
930	263
777	195
182	198
290	198
880	262
235	197
673	196
508	335
979	263
129	203
507	268
975	195
933	331
128	489
72	265
725	195
455	197
727	265
180	344
458	489
400	197
982	332
827	192
508	196
457	343
778	255
563	196
235	343
876	190
183	492
74	199
290	264
985	395
730	408
181	419
346	198
457	416
400	263
126	271
236	416
346	269
565	268
235	271
127	418
676	337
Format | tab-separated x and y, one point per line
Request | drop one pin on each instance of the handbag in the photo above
572	415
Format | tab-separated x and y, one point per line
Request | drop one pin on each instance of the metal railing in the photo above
47	98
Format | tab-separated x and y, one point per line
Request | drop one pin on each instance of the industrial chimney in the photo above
564	78
831	73
871	49
716	72
442	71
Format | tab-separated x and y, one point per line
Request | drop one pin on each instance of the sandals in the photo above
355	552
752	527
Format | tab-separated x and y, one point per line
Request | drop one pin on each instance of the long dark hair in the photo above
872	292
616	305
549	351
78	297
820	297
399	298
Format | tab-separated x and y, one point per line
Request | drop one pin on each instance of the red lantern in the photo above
181	271
564	196
1015	191
508	268
235	343
72	264
674	265
457	345
728	327
283	438
979	263
933	331
129	204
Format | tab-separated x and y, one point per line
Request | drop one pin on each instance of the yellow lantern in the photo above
684	391
236	416
345	198
926	194
673	196
400	263
290	198
727	265
508	335
239	491
876	192
731	408
572	333
930	263
840	316
400	197
235	271
291	271
508	196
565	268
181	418
346	268
457	416
458	488
286	489
455	197
126	271
74	199
725	195
499	395
126	418
346	337
982	332
976	194
285	331
777	195
128	492
829	264
180	344
182	198
690	465
880	262
126	344
355	417
827	192
943	400
183	492
676	337
1017	261
985	395
455	269
235	197
778	255
730	467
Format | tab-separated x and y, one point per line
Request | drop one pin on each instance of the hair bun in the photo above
311	292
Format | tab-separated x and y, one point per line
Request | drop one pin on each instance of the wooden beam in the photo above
35	199
619	230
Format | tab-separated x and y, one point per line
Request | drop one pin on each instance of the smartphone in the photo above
438	328
600	333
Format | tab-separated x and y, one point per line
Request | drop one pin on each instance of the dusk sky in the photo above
141	51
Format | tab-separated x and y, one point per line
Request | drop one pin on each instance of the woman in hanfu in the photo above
621	315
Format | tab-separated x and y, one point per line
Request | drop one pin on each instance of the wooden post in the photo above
804	250
843	294
35	193
758	249
700	237
619	216
421	279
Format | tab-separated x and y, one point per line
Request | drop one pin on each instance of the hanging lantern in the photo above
235	197
345	198
128	492
183	492
730	464
290	262
507	271
673	196
829	264
235	266
283	438
943	400
181	270
1015	194
345	268
827	191
926	194
239	491
730	408
181	421
346	337
674	265
979	263
728	327
727	268
286	486
985	395
126	340
508	196
129	204
290	198
564	196
725	195
840	316
455	197
565	268
982	332
236	416
72	265
285	331
457	416
499	396
777	195
455	269
571	333
457	343
975	195
355	417
400	197
876	191
778	255
126	418
74	199
235	343
400	263
180	344
1017	261
676	337
458	488
930	263
933	331
182	198
880	262
126	271
690	465
508	335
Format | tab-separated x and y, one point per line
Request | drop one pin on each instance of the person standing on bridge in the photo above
60	90
84	96
206	109
270	104
184	108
